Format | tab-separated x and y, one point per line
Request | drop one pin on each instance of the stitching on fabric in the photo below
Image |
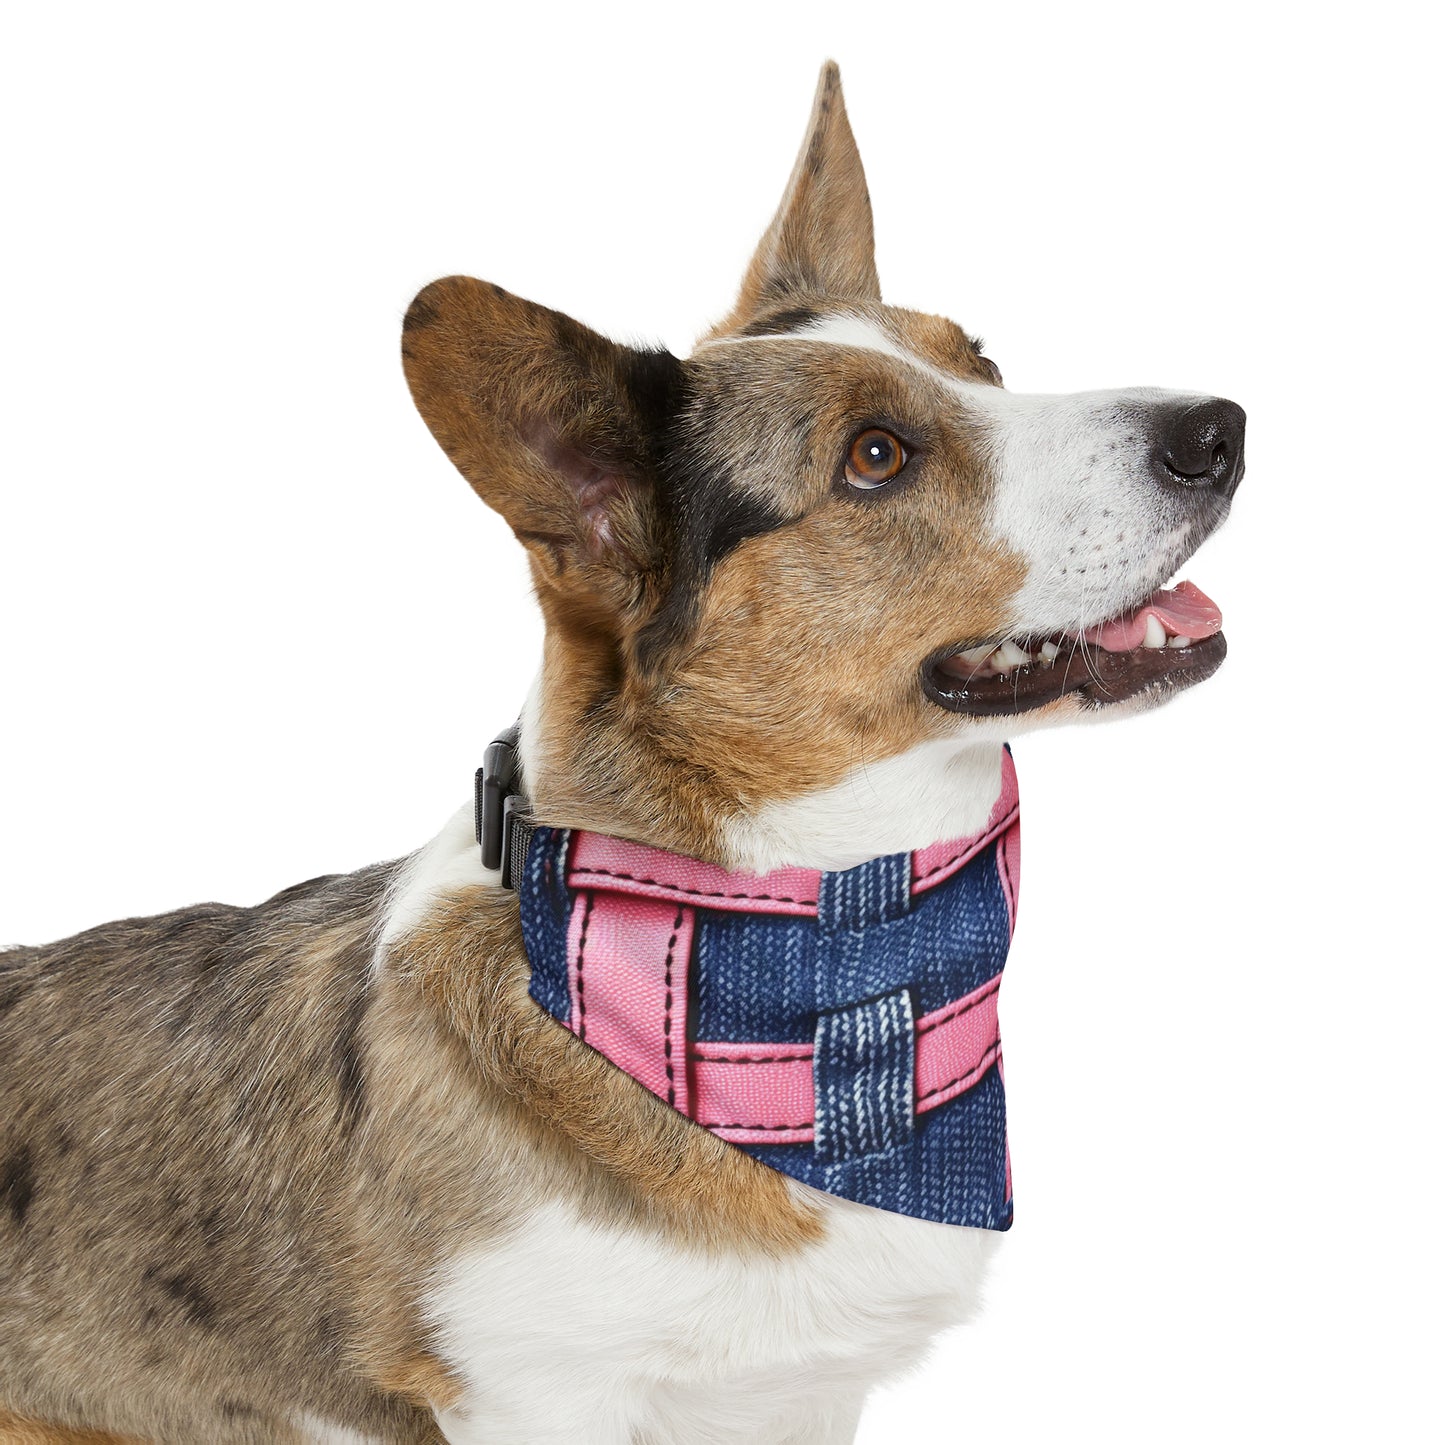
959	1009
581	955
1011	892
767	1128
974	844
754	1058
990	1058
695	893
667	1011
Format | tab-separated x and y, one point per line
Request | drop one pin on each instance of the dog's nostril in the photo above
1201	444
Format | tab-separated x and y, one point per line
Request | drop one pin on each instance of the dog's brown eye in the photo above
875	457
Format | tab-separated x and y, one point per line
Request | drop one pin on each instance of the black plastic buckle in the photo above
503	830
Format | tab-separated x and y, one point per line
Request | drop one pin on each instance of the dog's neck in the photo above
592	768
583	768
933	791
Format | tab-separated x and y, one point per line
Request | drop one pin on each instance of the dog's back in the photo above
180	1093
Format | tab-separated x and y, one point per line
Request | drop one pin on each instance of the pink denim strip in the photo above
763	1093
1009	859
599	861
627	969
619	866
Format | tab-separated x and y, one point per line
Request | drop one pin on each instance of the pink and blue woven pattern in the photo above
841	1027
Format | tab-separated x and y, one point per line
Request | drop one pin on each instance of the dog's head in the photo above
827	539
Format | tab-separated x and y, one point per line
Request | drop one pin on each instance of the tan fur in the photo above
940	342
503	383
14	1431
419	1377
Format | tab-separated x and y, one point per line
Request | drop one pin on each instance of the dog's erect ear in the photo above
820	243
556	427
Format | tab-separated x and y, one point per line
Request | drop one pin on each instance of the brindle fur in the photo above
232	1147
186	1101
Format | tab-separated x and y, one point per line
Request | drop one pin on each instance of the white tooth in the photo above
1049	651
975	656
996	662
1012	654
1180	641
1154	634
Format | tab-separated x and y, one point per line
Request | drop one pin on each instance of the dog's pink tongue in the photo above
1184	611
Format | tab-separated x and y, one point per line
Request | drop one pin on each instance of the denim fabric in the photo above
953	1169
863	1077
545	905
759	976
846	981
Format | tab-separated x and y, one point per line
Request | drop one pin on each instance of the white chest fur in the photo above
569	1330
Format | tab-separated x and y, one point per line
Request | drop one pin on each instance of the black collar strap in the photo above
504	832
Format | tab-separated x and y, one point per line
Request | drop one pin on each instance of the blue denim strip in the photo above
760	977
873	892
545	904
863	1077
952	1170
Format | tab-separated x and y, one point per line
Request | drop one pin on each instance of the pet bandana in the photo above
841	1027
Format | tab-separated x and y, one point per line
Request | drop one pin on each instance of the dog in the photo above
323	1170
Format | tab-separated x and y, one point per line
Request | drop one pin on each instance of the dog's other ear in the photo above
555	426
820	244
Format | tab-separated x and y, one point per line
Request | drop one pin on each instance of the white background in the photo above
255	628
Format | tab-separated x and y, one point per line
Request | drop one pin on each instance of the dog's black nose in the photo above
1201	444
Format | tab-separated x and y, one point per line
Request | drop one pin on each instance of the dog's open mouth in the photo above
1171	640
